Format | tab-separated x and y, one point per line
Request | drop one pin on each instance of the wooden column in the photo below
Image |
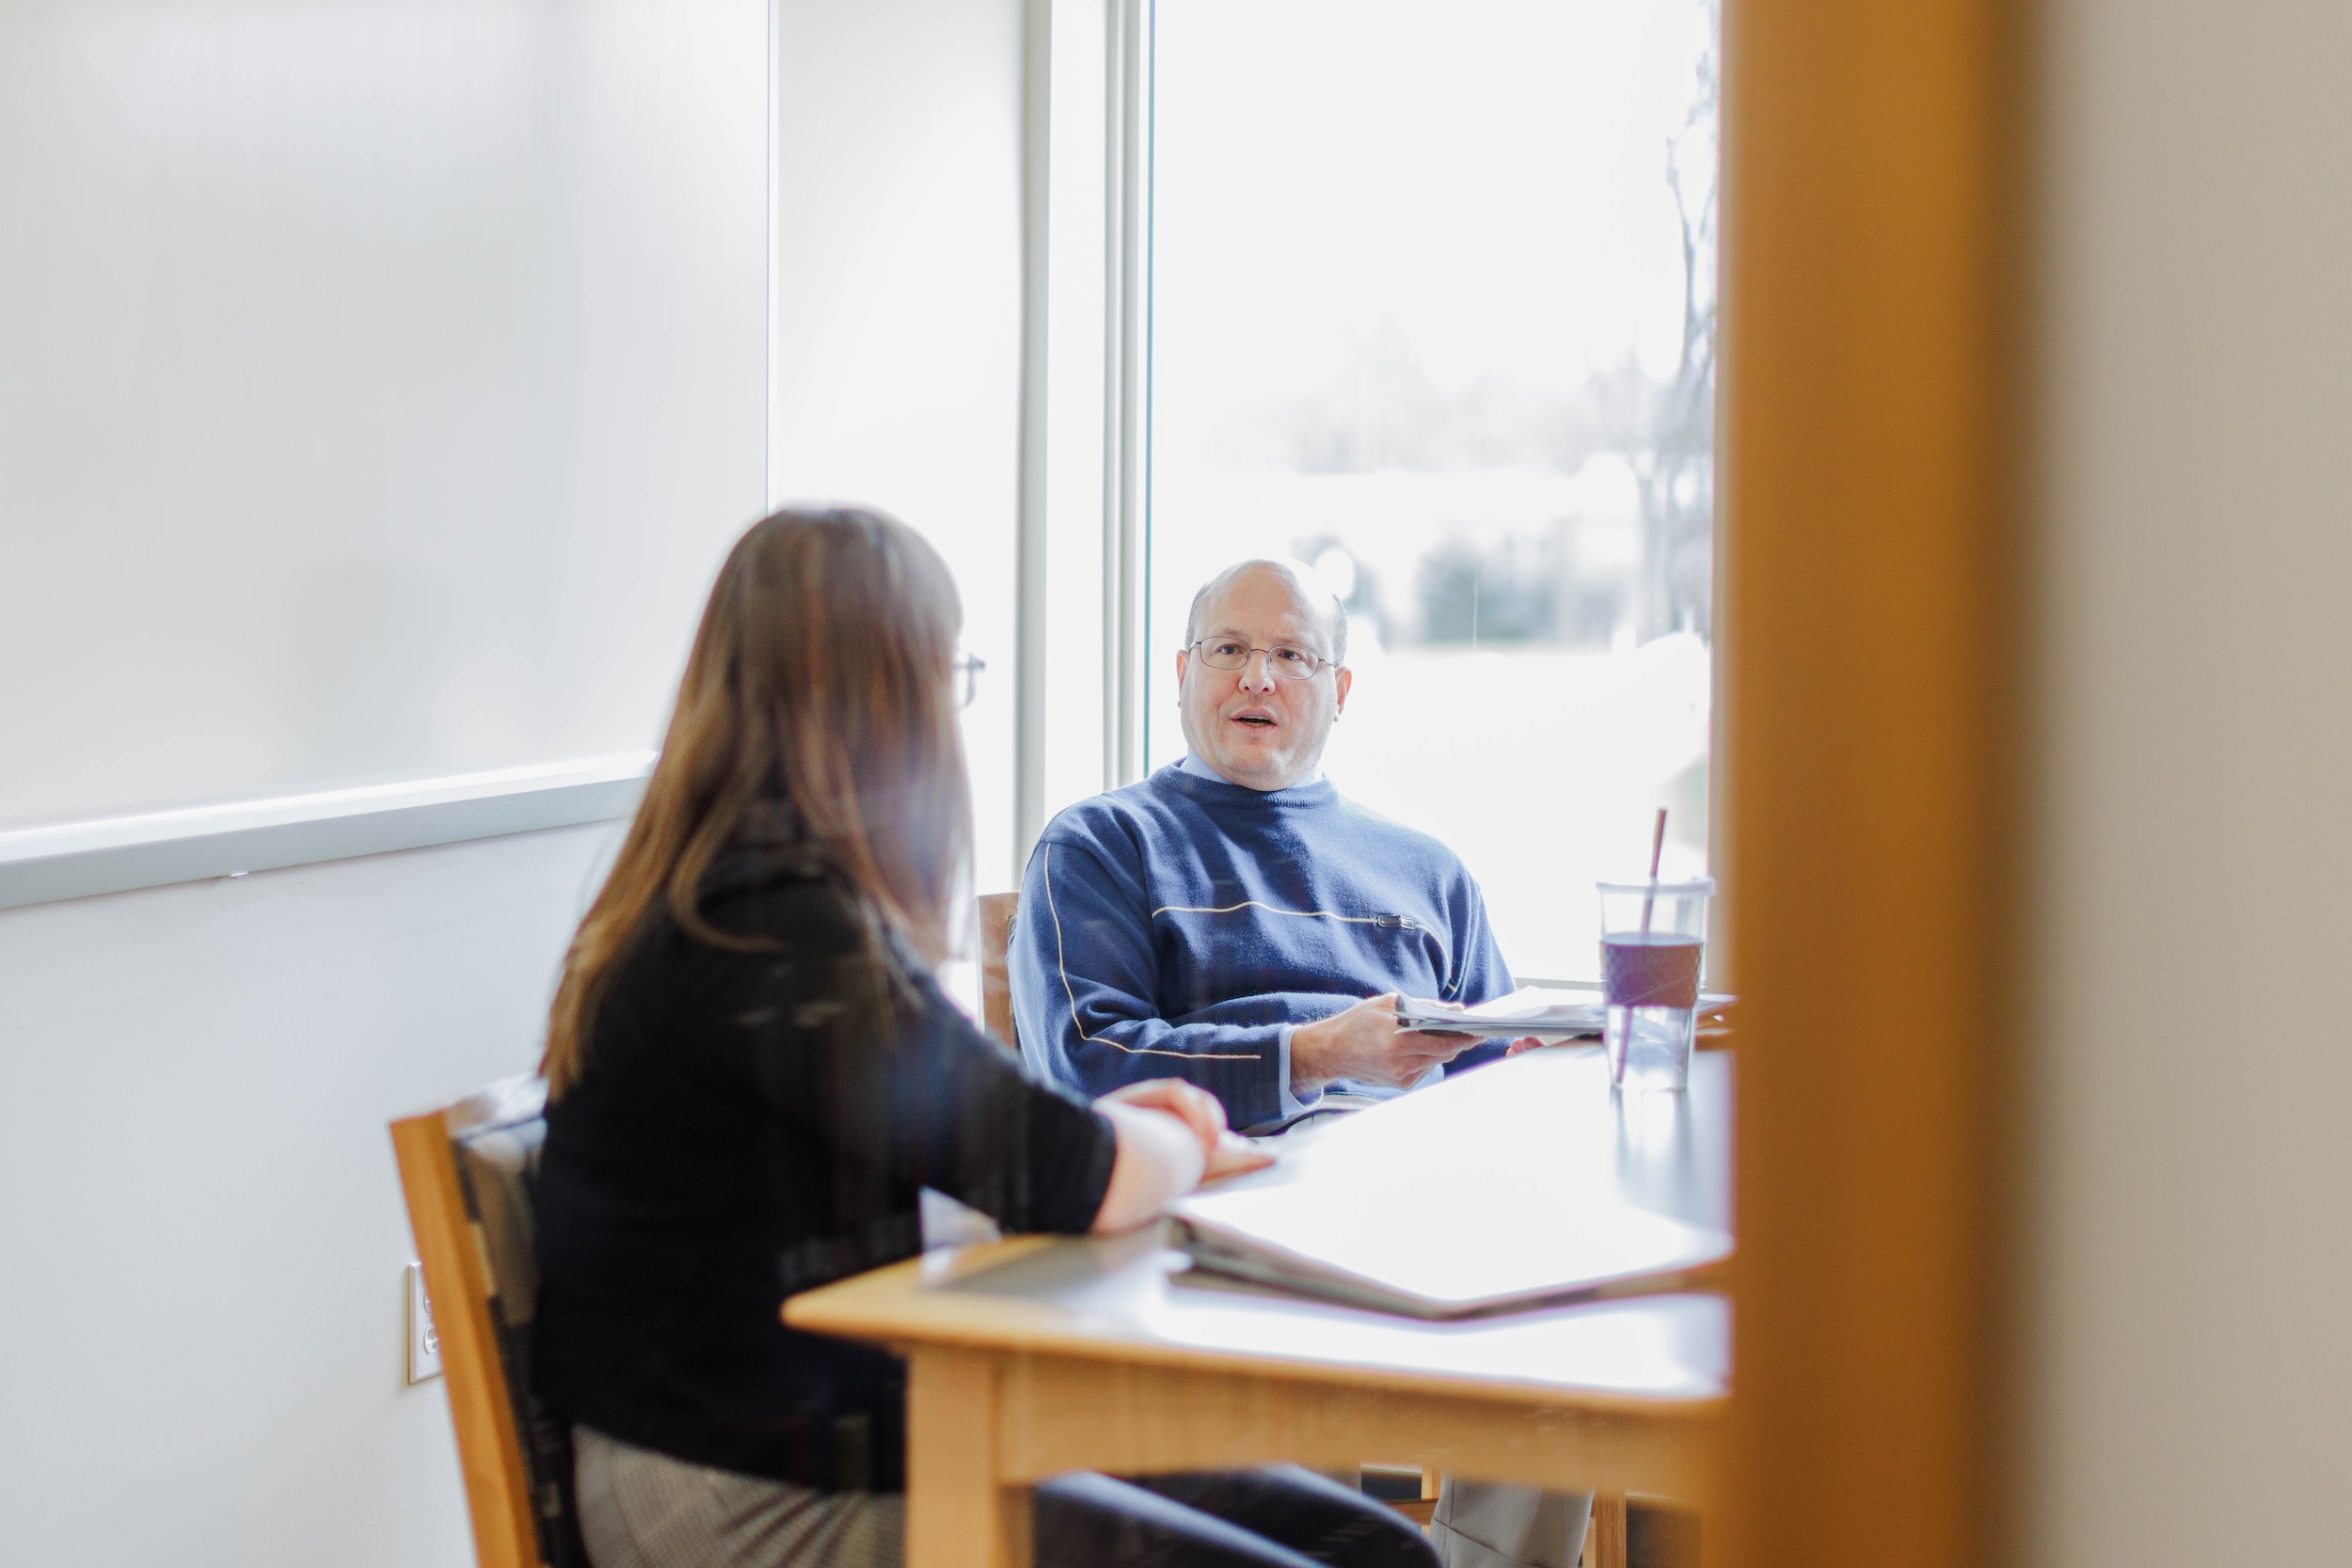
1865	587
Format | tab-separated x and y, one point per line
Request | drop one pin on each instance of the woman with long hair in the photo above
753	1074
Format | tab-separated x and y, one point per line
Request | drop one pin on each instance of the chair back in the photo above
468	1172
996	915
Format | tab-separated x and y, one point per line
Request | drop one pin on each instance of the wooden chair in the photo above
467	1171
996	915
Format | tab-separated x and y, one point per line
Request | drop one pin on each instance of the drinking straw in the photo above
1657	848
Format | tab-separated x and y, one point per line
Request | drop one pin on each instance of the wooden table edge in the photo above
891	1306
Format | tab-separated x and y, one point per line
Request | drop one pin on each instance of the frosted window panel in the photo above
1433	313
380	384
897	315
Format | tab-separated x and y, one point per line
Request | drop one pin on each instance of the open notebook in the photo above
1479	1194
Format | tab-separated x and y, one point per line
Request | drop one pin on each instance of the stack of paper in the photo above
1541	1011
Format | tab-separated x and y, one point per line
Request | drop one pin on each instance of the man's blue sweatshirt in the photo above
1181	926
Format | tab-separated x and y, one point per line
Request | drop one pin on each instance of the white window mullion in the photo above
1082	536
1033	582
1126	385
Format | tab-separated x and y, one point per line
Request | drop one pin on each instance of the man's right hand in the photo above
1366	1045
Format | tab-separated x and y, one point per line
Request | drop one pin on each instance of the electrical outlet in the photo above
425	1345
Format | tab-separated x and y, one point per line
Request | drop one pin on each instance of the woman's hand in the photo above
1225	1152
1171	1137
1233	1155
1195	1107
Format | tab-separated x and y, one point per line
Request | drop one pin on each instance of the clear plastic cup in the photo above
1653	942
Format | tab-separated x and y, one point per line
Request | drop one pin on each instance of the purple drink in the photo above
1654	969
1653	939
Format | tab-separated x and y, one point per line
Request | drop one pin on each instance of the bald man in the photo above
1231	920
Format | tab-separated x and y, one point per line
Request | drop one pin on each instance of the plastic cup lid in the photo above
1661	890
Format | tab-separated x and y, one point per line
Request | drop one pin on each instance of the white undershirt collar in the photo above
1200	769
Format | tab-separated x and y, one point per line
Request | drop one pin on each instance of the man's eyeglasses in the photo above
1232	653
967	668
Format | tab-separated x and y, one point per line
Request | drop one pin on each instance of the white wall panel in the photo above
200	1229
2189	1389
379	381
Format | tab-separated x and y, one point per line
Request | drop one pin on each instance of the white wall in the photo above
379	380
201	1230
201	1234
2190	1381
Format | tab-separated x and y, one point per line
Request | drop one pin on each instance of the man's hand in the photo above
1365	1044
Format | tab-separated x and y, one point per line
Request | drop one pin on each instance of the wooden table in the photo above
1035	1356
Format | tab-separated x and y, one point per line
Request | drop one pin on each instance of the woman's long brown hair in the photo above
821	672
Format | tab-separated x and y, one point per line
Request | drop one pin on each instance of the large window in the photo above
1432	311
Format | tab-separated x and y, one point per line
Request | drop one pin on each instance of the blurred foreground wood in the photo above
1867	629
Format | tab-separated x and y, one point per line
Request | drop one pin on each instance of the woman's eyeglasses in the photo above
967	668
